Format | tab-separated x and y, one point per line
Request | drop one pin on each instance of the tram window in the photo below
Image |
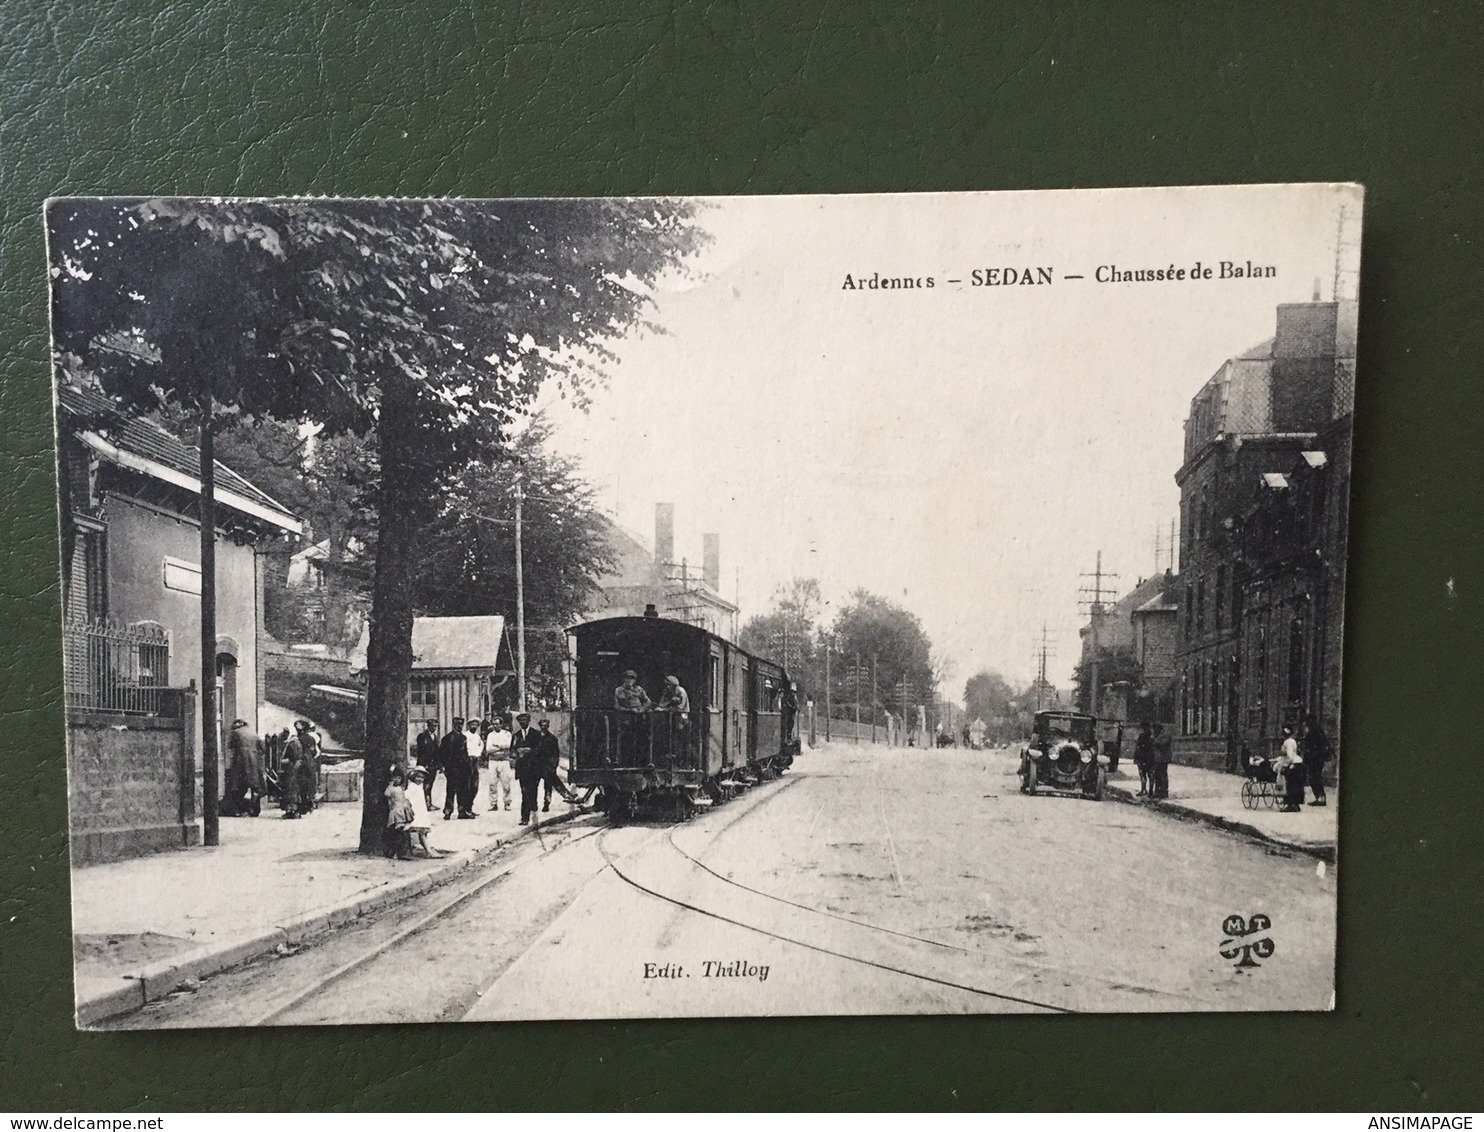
713	674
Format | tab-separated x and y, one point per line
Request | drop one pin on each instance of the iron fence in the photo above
115	668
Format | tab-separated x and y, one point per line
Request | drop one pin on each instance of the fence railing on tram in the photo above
629	739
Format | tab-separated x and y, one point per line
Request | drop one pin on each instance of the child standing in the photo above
422	821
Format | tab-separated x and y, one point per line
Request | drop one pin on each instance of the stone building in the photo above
1142	626
676	588
131	599
1261	425
1156	644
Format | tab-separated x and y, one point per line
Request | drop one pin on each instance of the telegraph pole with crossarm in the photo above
1093	595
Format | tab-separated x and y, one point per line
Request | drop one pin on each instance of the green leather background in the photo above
469	98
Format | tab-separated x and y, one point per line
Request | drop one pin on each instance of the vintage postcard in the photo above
751	606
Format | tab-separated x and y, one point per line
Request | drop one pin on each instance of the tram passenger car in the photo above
742	726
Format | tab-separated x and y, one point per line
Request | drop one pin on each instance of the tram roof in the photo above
666	622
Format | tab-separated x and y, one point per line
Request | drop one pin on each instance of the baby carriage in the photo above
1261	790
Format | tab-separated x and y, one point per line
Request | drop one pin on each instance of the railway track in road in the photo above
308	993
783	934
568	880
421	924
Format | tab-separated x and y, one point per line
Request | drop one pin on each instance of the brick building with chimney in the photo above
1264	489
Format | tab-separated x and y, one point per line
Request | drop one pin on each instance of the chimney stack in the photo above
711	561
664	534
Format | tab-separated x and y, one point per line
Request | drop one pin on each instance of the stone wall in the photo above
132	781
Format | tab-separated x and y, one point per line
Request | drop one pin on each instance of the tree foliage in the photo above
469	563
988	695
1115	666
788	632
424	326
871	627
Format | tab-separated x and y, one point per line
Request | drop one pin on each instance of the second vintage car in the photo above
1064	754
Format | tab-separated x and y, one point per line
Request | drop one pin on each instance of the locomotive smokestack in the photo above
664	533
711	561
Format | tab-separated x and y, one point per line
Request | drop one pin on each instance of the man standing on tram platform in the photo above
629	696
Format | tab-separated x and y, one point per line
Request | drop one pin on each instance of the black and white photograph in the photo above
607	608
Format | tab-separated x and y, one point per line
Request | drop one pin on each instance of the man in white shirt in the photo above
497	754
474	746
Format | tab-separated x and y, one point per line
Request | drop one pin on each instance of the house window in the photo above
1218	604
1189	610
422	692
1296	660
1216	701
1260	668
154	654
1200	606
1198	724
87	589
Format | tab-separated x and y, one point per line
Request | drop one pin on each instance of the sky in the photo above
963	451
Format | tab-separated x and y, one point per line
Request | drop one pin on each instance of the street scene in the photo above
681	607
841	887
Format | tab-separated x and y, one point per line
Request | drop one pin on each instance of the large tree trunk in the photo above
389	654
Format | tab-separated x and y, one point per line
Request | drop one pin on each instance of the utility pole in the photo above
520	603
874	710
857	697
829	647
1043	653
1093	598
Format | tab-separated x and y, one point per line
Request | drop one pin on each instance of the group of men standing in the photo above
296	771
531	756
1152	759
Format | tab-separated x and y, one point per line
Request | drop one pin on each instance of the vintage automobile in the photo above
1064	754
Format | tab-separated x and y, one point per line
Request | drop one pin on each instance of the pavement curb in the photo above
1322	850
126	993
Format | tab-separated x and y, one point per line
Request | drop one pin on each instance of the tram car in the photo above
665	712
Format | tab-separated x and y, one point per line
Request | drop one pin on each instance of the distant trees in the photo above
987	696
869	632
788	633
872	628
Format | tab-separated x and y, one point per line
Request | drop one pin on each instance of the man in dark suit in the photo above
1314	747
426	753
549	750
453	760
525	751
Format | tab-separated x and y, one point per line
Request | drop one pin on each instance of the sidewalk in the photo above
144	927
1214	797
